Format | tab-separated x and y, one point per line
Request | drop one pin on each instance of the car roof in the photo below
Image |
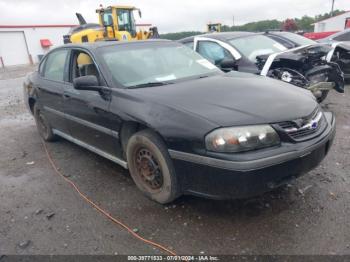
224	36
98	44
278	32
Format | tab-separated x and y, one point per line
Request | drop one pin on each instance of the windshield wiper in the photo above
150	84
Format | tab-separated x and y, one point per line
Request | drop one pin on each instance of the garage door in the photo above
13	48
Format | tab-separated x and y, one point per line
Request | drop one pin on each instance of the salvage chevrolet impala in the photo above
180	125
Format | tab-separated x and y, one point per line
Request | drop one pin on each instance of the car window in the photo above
286	43
256	45
41	67
212	51
132	66
55	65
83	65
343	37
189	44
298	39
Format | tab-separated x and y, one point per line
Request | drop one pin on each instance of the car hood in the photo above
234	99
297	54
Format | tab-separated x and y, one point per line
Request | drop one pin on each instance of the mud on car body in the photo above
259	54
179	124
339	44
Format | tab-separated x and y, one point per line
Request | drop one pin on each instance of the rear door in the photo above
51	83
87	112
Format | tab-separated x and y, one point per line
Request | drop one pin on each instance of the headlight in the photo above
236	139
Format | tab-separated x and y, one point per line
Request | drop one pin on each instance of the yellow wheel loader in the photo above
115	23
214	27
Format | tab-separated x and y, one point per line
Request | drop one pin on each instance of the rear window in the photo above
343	37
55	64
298	39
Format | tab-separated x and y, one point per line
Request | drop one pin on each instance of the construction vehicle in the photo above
214	27
115	23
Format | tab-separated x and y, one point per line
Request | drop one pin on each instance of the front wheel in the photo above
151	167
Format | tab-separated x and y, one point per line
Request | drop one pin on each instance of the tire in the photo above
43	125
323	96
151	167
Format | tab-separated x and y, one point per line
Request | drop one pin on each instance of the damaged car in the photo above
175	121
259	54
338	53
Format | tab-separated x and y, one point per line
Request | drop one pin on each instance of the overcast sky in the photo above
167	15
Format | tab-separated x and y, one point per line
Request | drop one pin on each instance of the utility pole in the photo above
332	8
233	20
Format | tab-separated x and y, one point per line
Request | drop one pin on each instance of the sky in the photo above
167	15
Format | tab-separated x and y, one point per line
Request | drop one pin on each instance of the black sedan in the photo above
180	125
259	54
339	52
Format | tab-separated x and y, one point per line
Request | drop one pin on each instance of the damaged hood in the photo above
309	61
295	55
234	99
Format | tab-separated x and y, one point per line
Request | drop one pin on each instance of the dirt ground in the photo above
41	214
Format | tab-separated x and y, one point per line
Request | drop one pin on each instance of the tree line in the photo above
304	23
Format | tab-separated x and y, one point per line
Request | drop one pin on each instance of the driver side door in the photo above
87	112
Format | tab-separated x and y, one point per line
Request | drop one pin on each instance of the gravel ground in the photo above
41	214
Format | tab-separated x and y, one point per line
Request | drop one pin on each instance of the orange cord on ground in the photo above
105	213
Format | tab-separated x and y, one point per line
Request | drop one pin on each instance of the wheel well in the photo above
127	130
31	103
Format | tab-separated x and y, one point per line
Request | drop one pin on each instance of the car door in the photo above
51	83
86	111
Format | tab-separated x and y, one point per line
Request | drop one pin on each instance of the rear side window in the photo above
55	65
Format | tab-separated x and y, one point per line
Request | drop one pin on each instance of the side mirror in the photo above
87	83
228	64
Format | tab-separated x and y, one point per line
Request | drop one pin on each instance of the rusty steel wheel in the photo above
151	167
148	169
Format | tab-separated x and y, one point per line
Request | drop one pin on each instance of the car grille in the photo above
303	129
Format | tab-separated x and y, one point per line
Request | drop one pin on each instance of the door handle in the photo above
68	94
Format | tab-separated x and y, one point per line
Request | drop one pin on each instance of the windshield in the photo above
298	39
134	65
256	45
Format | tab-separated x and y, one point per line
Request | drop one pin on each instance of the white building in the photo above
335	23
24	44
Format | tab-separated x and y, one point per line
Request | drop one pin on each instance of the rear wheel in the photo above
43	125
151	167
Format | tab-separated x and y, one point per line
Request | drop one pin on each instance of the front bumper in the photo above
223	179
